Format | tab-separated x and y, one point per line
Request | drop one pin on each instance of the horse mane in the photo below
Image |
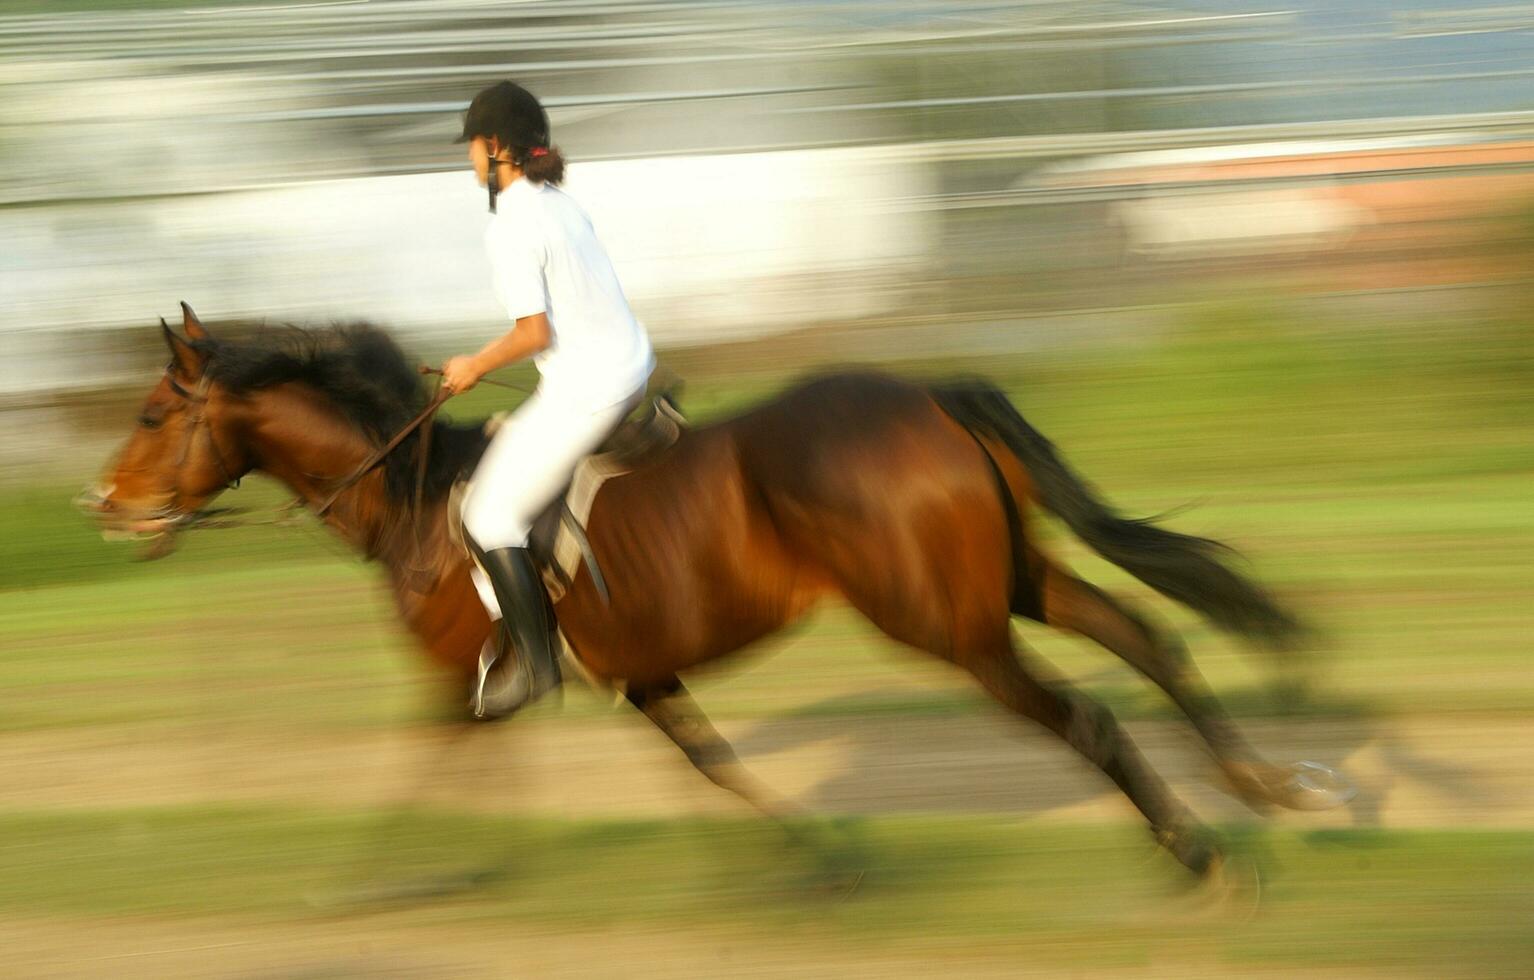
360	370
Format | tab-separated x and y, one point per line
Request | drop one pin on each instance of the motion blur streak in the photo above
1265	268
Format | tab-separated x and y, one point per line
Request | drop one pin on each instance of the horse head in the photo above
184	451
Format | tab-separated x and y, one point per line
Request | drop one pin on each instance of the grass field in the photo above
1453	903
1380	481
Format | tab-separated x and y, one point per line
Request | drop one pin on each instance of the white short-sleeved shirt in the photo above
545	258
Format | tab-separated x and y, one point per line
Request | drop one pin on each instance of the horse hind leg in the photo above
978	639
1072	604
1091	729
942	588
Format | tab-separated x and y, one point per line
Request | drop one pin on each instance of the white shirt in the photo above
545	258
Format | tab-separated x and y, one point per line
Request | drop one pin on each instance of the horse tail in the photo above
1187	569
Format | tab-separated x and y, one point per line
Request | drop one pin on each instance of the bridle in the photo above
177	517
229	517
198	398
199	420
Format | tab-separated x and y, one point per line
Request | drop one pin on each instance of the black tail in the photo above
1182	567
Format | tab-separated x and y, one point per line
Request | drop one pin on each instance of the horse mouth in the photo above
157	528
129	527
151	536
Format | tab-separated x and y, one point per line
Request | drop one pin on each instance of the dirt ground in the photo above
1445	771
382	948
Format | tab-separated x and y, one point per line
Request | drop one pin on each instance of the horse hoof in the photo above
1312	786
836	886
1231	890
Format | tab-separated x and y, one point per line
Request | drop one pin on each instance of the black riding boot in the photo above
506	683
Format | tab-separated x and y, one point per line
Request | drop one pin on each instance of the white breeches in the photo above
528	462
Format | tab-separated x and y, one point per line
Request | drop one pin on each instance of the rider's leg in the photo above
504	683
526	465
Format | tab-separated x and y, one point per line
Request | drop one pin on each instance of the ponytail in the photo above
542	164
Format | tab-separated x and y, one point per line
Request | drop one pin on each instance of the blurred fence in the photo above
754	166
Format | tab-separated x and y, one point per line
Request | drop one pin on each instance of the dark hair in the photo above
516	119
547	167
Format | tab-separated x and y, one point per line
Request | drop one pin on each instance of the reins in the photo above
487	381
439	398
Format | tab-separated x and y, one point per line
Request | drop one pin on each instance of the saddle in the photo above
558	541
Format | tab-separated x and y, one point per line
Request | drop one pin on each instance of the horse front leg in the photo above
838	862
450	755
671	709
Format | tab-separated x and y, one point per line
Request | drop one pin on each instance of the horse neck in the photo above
301	440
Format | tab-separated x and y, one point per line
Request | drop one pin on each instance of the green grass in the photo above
1443	903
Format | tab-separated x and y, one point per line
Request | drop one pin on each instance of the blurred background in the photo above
1272	262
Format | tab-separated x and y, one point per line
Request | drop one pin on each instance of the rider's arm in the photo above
516	263
529	336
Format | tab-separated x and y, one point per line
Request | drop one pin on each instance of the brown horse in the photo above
914	504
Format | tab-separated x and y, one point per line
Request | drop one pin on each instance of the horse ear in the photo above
192	325
184	357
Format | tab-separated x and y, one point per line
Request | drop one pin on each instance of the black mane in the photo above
365	375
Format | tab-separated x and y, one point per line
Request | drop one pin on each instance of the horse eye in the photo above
150	422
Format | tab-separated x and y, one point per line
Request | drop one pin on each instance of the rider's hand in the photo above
460	374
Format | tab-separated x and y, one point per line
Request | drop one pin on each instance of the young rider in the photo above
594	358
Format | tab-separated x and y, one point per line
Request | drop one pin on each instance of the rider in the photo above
594	359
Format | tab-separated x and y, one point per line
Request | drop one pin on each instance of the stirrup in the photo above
499	693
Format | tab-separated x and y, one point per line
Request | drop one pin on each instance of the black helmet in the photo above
508	112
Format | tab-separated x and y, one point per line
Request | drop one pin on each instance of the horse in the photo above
916	504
